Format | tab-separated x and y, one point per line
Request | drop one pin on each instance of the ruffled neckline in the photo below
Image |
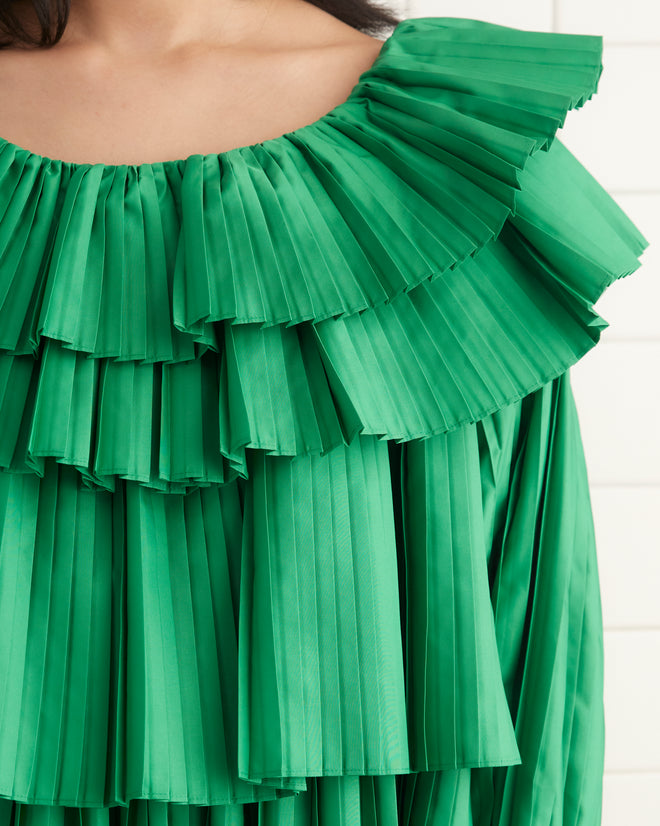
409	176
356	94
420	256
403	40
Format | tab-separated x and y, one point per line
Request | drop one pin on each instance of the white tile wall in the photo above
627	533
522	14
632	711
631	798
633	21
615	133
617	389
617	384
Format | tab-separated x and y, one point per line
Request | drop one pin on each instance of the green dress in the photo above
295	525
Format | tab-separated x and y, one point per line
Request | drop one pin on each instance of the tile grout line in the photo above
626	629
629	44
617	191
642	485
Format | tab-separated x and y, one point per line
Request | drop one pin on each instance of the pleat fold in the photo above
120	644
321	649
456	700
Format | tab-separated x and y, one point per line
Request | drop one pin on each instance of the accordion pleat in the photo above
294	515
241	644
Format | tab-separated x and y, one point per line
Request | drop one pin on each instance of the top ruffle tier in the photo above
417	170
423	255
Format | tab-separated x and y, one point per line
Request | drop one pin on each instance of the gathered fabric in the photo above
295	525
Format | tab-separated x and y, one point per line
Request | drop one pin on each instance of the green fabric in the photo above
295	526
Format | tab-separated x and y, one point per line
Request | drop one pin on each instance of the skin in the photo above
139	81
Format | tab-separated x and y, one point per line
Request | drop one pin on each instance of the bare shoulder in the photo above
316	53
301	21
302	27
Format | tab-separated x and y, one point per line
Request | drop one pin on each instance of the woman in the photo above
294	515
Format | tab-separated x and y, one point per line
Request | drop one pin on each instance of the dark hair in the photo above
52	16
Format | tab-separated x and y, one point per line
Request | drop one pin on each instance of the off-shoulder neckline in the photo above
28	155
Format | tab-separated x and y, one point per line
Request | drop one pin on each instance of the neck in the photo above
141	26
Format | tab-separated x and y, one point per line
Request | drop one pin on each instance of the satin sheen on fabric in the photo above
295	523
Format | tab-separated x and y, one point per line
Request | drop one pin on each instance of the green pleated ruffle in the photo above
294	515
347	634
510	318
422	255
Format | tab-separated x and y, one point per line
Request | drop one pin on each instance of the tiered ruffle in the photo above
292	503
391	631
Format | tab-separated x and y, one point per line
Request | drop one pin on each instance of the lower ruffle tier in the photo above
387	633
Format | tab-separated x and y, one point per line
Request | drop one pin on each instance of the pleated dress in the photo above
295	526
